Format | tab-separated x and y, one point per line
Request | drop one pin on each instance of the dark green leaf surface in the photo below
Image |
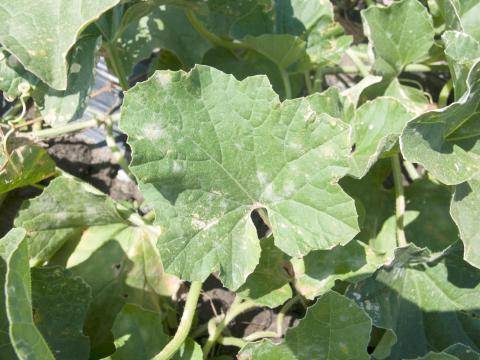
139	335
419	298
333	328
445	141
207	150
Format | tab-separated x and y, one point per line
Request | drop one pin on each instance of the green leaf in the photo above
454	352
316	273
13	75
26	165
419	296
41	34
445	141
375	129
401	34
61	325
286	51
333	328
412	98
59	107
91	237
52	218
462	52
163	27
205	162
427	219
462	15
130	343
465	212
25	338
269	284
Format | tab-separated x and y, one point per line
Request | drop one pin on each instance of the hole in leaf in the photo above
262	228
352	150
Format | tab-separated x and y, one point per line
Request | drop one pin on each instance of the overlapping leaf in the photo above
376	127
130	343
445	141
333	328
401	34
40	34
454	352
461	15
208	149
419	297
13	75
31	327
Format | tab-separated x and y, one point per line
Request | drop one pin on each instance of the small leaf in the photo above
445	141
375	129
462	16
269	284
333	328
13	75
139	334
462	52
465	212
401	34
26	165
316	273
205	163
419	296
412	98
41	34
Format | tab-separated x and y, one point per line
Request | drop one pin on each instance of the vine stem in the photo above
399	201
214	39
215	330
286	83
185	323
115	63
118	154
62	130
358	63
445	94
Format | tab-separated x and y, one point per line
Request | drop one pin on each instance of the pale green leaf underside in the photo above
419	300
445	141
401	34
208	149
41	33
130	343
333	329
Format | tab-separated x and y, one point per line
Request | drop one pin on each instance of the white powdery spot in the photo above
288	189
153	132
270	195
199	224
164	77
357	296
75	68
177	167
309	114
262	177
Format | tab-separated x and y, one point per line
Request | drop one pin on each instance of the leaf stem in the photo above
286	83
399	201
358	63
115	63
185	323
445	94
411	170
214	39
62	130
232	341
118	154
215	330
